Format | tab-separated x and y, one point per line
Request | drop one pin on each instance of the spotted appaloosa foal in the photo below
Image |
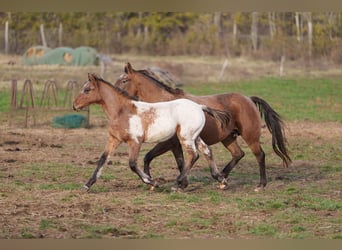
135	122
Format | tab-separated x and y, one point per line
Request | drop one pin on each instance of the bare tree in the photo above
234	30
331	18
271	23
254	30
218	25
298	27
42	35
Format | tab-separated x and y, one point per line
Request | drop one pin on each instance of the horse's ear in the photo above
128	68
91	77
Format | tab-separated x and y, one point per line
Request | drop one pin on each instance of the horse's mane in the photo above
117	89
175	91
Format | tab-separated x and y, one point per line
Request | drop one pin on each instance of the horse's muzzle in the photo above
74	108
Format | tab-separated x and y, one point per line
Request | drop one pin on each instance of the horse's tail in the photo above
222	116
276	127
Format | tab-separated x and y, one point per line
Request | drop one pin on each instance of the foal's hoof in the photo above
152	187
259	189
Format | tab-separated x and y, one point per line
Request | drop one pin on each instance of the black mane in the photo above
175	91
117	89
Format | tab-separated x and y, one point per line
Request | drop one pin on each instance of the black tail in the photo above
222	116
276	127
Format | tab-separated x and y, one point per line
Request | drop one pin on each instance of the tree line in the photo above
268	35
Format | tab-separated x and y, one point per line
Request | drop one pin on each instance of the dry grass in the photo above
188	69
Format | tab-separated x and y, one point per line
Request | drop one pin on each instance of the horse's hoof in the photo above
85	188
259	189
177	189
224	184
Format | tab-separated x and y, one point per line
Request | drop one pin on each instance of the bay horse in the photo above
136	122
246	113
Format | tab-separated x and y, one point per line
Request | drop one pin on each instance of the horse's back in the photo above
243	110
162	120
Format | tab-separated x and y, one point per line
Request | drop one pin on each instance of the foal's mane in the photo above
117	89
175	91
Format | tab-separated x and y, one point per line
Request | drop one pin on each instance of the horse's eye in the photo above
86	90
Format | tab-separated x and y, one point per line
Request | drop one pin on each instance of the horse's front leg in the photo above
134	149
112	144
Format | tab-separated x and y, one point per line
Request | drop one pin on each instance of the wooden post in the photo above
281	68
14	94
224	66
6	38
310	34
13	105
27	94
60	34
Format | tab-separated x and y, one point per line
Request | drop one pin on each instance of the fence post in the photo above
13	105
27	94
6	38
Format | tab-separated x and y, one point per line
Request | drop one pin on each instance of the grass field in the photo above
43	169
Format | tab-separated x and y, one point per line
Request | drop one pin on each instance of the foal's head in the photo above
89	94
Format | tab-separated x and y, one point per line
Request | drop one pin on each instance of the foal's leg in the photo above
112	144
192	156
133	154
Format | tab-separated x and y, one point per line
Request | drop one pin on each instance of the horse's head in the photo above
127	81
89	94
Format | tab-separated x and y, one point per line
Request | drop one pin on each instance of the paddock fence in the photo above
38	105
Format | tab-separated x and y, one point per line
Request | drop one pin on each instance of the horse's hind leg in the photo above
260	157
112	144
161	148
207	152
237	154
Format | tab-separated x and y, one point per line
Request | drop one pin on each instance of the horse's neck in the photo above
151	92
112	102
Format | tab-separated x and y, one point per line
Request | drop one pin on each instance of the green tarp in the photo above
70	121
80	56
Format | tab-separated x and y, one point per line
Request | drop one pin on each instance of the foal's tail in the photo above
222	116
276	126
